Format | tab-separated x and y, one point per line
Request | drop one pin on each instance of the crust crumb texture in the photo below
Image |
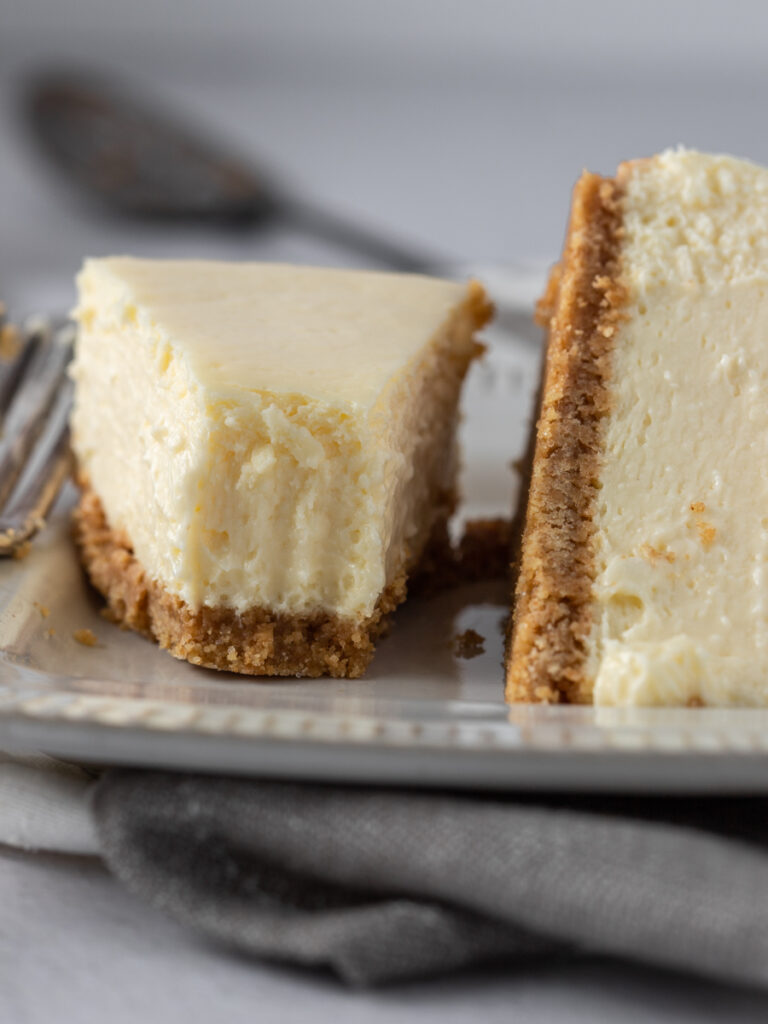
550	625
258	643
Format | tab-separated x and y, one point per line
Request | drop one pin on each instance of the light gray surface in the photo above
461	126
84	951
497	32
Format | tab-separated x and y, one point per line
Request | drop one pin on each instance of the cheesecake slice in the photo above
266	452
643	564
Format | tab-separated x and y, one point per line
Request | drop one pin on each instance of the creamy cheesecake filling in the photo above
268	436
681	518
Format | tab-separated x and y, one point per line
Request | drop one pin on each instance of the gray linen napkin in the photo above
381	885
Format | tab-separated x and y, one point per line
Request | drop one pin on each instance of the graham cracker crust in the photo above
258	642
551	619
480	554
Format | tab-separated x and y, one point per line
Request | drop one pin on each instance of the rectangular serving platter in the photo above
423	716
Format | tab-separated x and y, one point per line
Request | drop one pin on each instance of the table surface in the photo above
476	164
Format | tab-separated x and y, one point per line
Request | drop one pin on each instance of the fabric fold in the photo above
380	885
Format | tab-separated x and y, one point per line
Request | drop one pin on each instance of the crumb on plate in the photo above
86	637
469	644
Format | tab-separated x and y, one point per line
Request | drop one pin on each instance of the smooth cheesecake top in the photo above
336	335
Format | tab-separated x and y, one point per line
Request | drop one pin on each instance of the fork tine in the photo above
25	513
33	397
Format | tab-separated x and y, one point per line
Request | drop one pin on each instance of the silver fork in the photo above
35	401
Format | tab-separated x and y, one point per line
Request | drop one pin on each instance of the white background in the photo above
460	127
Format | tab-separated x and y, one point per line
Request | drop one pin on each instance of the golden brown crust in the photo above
481	554
480	307
259	642
550	625
483	550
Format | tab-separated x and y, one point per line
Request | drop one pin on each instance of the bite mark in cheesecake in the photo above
267	451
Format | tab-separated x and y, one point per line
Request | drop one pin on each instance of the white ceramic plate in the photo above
422	716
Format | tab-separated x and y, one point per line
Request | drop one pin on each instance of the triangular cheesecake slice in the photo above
266	451
643	565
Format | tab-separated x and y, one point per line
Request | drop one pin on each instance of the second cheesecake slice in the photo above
644	568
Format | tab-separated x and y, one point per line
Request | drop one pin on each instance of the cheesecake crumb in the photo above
707	534
546	305
50	633
22	550
10	343
44	610
469	644
705	530
654	555
86	637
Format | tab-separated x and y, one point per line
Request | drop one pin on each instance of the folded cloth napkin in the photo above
381	885
44	805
